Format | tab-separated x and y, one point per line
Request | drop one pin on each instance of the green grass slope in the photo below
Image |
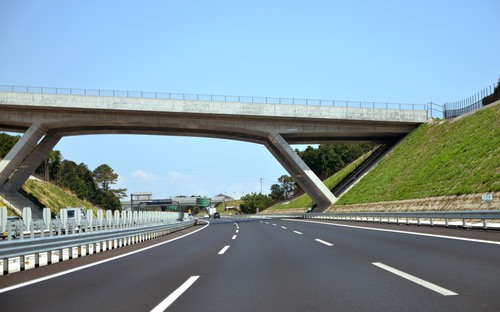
441	158
304	201
53	197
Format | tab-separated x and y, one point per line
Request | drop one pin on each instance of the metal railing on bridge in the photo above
214	98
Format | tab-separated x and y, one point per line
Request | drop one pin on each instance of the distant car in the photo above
216	215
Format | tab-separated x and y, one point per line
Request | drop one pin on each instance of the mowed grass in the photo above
304	201
450	157
54	197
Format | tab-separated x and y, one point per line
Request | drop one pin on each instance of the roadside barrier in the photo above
79	237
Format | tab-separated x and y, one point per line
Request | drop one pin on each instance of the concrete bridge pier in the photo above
300	172
20	151
29	165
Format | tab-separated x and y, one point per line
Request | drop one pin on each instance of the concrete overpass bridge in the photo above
45	115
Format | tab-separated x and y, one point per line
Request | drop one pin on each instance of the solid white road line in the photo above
401	232
176	294
297	232
323	242
41	279
234	237
223	250
421	282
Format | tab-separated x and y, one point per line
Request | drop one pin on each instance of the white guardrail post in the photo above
126	230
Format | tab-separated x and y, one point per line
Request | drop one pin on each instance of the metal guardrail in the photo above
470	104
213	98
432	218
100	241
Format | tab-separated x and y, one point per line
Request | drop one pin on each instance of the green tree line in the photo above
94	186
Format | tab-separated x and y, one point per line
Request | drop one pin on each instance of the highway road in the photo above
275	265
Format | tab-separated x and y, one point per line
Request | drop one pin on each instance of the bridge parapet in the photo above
205	99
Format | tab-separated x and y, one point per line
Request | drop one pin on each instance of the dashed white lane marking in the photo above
283	227
237	231
297	232
323	242
223	250
421	282
234	237
176	294
274	224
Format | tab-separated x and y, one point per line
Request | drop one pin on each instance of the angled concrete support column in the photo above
29	165
20	151
300	172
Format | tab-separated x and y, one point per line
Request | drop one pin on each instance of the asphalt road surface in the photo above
275	265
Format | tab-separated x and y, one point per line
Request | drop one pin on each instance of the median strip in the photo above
421	282
176	294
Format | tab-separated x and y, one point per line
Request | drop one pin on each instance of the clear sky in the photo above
387	51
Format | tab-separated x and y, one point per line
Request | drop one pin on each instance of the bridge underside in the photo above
44	126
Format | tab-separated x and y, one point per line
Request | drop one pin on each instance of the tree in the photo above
6	143
328	159
285	189
104	176
50	166
78	179
108	200
253	201
277	192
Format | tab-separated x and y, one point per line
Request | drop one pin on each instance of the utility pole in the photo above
261	185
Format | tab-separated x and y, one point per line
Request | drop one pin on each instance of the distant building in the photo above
144	197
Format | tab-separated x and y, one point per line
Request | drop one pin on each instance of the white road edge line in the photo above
41	279
223	250
401	232
297	232
421	282
323	242
176	294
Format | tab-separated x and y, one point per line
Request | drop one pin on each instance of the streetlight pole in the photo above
181	216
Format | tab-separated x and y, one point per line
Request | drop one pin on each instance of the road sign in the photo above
487	198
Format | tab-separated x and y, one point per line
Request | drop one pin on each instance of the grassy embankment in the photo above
54	197
441	158
302	202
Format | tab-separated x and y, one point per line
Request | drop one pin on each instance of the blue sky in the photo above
386	51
